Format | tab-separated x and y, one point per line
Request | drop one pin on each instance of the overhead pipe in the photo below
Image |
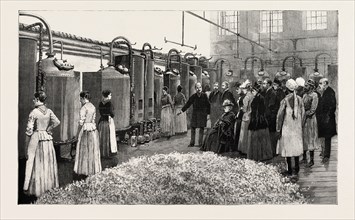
49	31
182	37
196	15
316	60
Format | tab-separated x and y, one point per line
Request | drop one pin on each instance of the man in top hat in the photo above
200	113
310	127
326	117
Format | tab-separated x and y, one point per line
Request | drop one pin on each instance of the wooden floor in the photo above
319	183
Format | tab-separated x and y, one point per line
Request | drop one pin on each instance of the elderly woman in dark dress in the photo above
220	138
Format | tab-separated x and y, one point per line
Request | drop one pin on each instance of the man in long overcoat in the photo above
200	113
326	117
271	111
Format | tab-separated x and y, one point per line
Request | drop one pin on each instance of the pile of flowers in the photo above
192	178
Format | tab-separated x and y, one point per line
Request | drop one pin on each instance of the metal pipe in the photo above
316	60
203	58
101	55
155	48
183	28
254	57
230	31
126	42
149	50
270	25
61	47
173	50
294	57
49	32
168	41
222	59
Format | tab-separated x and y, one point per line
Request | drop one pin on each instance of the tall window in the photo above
230	20
316	20
271	20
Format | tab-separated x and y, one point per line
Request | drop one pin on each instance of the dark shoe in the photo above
321	154
286	173
168	137
310	164
190	145
296	171
325	160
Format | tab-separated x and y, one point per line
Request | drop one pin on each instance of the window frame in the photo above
276	24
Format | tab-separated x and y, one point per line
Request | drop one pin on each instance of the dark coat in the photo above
257	116
106	110
326	114
201	108
216	107
272	107
280	95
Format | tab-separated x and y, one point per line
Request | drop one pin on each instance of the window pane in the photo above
324	13
319	13
275	16
313	13
319	20
308	13
324	19
308	20
313	21
313	26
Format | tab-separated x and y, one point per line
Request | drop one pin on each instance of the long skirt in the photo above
180	121
87	158
44	174
211	141
237	127
104	134
167	122
259	145
310	134
243	137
